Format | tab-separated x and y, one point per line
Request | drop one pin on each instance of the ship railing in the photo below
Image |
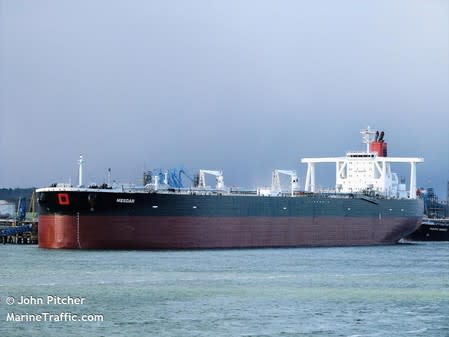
188	190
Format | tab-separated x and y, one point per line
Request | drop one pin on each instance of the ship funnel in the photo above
379	146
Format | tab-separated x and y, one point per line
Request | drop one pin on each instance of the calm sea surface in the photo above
400	290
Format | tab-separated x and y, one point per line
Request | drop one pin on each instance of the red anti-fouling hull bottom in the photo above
122	232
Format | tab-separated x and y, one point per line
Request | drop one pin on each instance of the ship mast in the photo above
80	172
368	136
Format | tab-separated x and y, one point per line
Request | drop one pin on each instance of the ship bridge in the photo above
368	171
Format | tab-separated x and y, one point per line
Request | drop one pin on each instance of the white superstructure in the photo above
370	171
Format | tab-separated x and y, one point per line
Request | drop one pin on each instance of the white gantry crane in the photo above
218	175
276	181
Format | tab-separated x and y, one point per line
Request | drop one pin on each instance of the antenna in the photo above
368	136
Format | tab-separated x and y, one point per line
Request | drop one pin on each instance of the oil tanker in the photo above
367	206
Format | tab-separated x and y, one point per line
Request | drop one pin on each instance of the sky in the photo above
242	86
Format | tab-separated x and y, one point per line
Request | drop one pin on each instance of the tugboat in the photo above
435	225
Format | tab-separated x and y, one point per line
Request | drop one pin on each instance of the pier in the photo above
19	225
18	232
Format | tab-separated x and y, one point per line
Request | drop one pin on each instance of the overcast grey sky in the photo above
244	86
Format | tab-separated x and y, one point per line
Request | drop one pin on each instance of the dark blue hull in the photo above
124	220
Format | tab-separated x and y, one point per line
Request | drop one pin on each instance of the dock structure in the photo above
15	232
22	227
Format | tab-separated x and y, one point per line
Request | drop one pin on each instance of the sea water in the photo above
399	290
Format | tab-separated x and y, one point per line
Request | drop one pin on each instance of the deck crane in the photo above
276	182
168	178
201	182
181	173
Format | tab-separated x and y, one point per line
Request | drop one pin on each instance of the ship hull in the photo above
105	232
95	220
